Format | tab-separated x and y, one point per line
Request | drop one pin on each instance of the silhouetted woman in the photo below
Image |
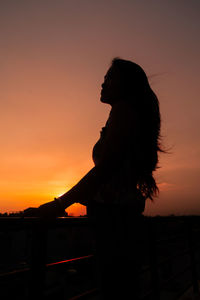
116	189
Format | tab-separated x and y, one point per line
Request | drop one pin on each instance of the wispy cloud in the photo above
165	186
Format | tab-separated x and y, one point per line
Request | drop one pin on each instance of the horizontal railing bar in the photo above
14	223
24	222
14	273
143	270
62	262
50	265
69	260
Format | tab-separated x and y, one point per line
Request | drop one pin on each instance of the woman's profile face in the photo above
110	92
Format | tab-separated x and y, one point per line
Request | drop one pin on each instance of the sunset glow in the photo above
54	55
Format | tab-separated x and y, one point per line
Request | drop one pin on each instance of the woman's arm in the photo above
88	185
82	191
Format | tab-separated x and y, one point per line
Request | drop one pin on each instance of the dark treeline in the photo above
11	214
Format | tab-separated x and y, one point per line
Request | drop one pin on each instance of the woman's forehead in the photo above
111	71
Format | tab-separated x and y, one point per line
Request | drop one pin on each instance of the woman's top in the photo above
117	148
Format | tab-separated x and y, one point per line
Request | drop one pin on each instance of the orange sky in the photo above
54	55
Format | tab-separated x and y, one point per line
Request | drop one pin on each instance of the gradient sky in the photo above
53	57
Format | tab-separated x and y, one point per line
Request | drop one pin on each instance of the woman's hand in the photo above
48	210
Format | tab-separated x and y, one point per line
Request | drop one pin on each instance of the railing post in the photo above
191	245
38	260
153	259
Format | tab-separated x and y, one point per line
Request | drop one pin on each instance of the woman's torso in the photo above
119	189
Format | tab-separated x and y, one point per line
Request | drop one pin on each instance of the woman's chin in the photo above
103	100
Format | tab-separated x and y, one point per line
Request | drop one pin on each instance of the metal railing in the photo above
38	267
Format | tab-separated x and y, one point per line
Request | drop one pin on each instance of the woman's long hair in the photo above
135	89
